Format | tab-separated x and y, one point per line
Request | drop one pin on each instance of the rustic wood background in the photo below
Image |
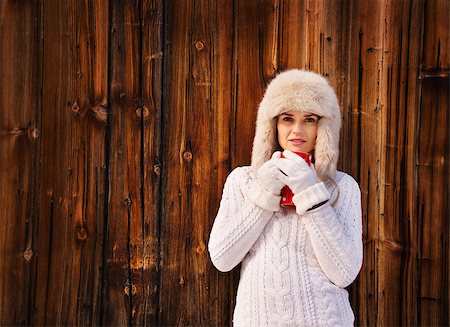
120	121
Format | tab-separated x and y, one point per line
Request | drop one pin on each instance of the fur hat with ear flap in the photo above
302	91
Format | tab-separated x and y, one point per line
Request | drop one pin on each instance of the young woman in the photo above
296	261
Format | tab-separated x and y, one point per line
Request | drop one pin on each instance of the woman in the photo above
296	261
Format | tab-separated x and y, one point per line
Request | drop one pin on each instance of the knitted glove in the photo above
266	187
302	180
268	175
297	174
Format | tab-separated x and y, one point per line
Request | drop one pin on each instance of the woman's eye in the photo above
288	119
310	120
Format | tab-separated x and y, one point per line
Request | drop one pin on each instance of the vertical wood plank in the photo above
198	83
432	204
91	24
364	74
146	272
19	100
256	31
395	244
177	168
293	34
433	168
332	39
69	230
125	207
408	178
70	221
221	287
199	171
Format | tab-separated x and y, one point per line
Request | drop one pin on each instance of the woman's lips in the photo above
297	141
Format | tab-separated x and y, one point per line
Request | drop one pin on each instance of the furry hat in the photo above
301	91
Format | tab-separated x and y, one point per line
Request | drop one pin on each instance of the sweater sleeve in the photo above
336	234
238	224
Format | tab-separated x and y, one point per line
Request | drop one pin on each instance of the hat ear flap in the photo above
326	150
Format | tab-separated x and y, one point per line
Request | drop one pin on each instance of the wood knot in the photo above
142	112
75	107
199	45
16	131
201	248
127	290
33	133
27	254
187	155
82	234
157	169
100	113
127	202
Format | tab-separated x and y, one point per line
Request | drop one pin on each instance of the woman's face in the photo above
297	131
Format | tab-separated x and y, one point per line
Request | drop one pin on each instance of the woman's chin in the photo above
296	148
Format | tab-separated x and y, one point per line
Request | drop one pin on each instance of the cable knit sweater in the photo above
294	266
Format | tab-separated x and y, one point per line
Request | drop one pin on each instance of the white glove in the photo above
297	174
268	175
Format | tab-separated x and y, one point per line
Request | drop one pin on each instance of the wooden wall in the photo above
120	121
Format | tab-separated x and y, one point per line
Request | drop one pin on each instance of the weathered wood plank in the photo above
432	162
187	167
96	66
199	58
19	100
71	187
293	34
366	41
91	26
392	247
432	204
255	33
411	102
177	168
220	287
146	273
125	207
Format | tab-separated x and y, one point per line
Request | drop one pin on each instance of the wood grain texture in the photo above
176	272
392	254
198	86
433	176
69	222
366	55
19	134
124	245
221	288
120	121
396	250
146	276
255	22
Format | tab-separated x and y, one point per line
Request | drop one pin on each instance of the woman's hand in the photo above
295	172
268	175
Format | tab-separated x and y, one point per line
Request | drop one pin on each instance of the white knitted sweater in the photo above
294	267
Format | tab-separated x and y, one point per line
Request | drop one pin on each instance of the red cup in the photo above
286	193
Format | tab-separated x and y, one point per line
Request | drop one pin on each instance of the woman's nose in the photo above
297	129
